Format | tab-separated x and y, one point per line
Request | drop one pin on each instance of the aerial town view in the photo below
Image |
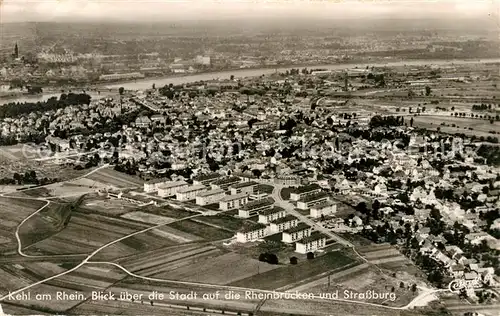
265	158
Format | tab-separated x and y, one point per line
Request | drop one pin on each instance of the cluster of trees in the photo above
127	168
433	268
92	162
270	258
29	177
490	153
294	71
486	117
15	109
481	107
288	125
378	78
36	138
34	89
386	121
490	217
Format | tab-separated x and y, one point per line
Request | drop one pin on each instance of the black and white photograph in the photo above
250	157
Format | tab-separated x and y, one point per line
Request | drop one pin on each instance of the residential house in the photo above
255	207
304	191
477	238
190	193
251	233
142	121
210	197
249	187
272	214
283	223
313	199
206	179
298	232
166	189
291	181
326	208
457	270
152	185
225	183
233	201
310	243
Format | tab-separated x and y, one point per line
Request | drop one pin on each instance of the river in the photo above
143	84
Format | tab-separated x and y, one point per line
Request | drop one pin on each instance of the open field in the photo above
86	232
293	273
201	230
45	223
83	280
114	178
382	253
166	259
11	278
328	277
12	153
167	211
389	259
147	218
479	127
11	309
223	269
135	261
11	188
106	206
175	234
223	220
12	212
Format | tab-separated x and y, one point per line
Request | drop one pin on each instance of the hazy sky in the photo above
165	10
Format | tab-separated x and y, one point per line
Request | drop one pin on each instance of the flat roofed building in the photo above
248	187
231	202
225	183
254	207
298	232
311	243
292	181
210	197
303	191
251	233
310	200
245	177
206	179
283	223
170	188
258	196
272	214
152	185
190	192
323	209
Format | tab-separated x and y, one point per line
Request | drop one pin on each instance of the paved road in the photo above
290	208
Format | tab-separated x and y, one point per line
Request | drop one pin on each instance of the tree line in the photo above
16	109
